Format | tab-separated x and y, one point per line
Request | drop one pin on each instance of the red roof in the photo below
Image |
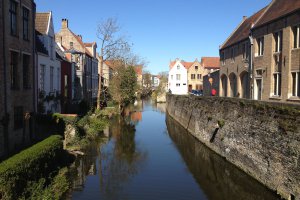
210	62
277	9
243	30
186	65
138	70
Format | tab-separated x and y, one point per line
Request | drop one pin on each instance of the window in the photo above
25	23
296	33
296	84
58	79
193	76
178	77
42	78
14	75
199	76
26	72
232	54
18	117
171	77
13	17
196	67
245	51
177	84
260	46
71	45
277	83
278	41
51	48
178	67
51	78
223	57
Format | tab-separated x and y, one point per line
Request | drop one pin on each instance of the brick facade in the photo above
284	62
17	100
195	75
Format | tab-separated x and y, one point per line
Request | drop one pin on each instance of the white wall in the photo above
179	87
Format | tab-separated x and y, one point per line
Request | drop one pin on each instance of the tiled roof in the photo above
89	44
138	70
40	46
243	30
186	65
210	62
277	9
41	22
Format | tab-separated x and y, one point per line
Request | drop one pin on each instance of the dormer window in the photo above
196	67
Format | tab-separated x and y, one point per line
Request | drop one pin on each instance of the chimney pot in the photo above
244	17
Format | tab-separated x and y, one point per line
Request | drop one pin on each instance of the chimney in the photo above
64	23
80	36
244	18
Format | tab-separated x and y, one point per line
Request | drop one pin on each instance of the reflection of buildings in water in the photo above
136	116
217	178
106	132
161	107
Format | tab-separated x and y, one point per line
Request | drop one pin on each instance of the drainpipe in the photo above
251	66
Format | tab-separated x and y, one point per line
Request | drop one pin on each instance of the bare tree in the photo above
112	44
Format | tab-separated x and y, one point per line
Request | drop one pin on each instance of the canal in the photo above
150	156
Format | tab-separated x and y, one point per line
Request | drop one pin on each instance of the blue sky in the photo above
160	30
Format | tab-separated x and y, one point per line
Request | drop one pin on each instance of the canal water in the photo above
148	155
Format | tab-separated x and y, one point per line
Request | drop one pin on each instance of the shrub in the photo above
30	165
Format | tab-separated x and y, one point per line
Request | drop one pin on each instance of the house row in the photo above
40	71
187	76
261	59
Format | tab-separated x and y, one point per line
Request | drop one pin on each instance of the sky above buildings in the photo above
160	30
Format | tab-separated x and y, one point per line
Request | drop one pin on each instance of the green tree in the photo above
123	85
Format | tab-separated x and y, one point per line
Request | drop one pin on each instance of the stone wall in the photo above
262	139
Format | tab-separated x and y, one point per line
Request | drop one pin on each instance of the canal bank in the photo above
260	138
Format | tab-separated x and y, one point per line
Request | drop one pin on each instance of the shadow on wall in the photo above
218	178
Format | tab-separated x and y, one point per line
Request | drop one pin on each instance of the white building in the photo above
178	77
48	66
155	81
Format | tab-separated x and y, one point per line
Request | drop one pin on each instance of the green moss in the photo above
287	126
221	123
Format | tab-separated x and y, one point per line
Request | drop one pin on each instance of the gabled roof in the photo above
277	9
42	22
243	30
138	69
186	65
89	44
210	62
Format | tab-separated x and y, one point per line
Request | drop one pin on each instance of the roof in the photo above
243	30
210	62
41	22
138	69
89	44
277	9
40	46
82	44
186	65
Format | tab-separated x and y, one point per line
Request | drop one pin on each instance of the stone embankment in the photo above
262	139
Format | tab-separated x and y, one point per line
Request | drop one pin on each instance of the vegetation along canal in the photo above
149	156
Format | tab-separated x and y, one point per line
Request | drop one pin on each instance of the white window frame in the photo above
295	88
278	41
260	46
278	91
296	44
42	77
178	77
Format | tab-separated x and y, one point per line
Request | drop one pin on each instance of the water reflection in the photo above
217	178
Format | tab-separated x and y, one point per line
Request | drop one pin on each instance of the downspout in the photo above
5	119
251	66
32	124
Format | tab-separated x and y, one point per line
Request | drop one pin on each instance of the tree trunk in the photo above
100	83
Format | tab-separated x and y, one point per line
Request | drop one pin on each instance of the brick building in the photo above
276	54
235	55
85	57
261	58
17	52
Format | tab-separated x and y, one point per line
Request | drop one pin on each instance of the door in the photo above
258	88
190	88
